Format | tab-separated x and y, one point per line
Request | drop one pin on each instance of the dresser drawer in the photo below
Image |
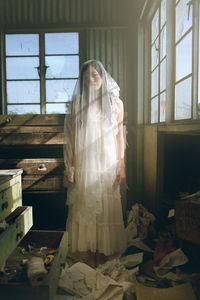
19	221
10	197
10	191
19	290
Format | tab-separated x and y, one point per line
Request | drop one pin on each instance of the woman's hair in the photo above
85	66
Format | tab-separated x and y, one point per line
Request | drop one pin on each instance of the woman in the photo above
94	159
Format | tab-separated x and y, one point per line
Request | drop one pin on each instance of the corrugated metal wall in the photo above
37	13
109	46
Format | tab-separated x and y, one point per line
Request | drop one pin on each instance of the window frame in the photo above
81	54
144	41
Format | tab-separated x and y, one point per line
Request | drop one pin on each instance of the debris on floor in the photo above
155	266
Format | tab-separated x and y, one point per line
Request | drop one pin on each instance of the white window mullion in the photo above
170	59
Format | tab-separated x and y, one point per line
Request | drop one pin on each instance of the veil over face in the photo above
95	219
90	152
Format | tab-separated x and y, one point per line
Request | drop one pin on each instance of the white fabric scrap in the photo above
132	260
138	243
83	281
171	260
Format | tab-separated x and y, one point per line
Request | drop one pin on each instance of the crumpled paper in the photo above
138	222
80	280
171	260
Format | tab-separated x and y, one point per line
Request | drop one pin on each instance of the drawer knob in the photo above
4	205
19	235
42	167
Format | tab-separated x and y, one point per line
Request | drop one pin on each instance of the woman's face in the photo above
92	78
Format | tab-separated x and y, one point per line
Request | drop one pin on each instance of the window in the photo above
40	72
173	67
158	64
183	48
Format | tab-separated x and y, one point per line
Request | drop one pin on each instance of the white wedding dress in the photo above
95	219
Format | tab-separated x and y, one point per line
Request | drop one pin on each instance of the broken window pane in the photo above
58	108
183	99
61	43
23	91
154	110
154	82
155	26
162	106
184	57
22	67
163	43
59	90
183	18
22	44
23	109
62	66
154	54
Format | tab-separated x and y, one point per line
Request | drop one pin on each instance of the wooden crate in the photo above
23	290
187	214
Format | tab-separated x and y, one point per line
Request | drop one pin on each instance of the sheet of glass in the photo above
183	99
59	90
58	108
22	44
154	110
163	75
183	18
154	82
163	43
62	66
163	13
23	109
22	67
154	54
162	106
155	26
23	91
62	43
184	57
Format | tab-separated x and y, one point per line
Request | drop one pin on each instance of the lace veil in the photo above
90	151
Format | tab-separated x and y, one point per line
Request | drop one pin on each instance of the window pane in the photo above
58	108
184	57
59	90
154	82
183	23
155	26
62	66
154	54
23	91
163	12
22	68
22	44
163	43
61	43
162	106
163	75
183	100
154	110
23	109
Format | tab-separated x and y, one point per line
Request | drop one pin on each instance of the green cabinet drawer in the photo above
10	191
23	290
20	221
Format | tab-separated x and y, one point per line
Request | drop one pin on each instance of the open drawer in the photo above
20	288
19	221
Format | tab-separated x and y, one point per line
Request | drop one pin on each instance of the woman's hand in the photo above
120	174
70	175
